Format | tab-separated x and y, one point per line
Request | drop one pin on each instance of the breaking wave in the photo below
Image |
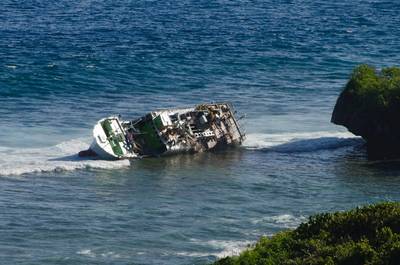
92	254
223	248
301	142
229	248
61	157
281	221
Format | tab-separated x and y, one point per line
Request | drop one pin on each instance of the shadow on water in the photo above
355	162
389	165
224	155
73	158
168	173
367	181
218	159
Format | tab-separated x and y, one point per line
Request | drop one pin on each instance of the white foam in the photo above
61	157
92	254
86	252
300	142
223	248
193	254
11	66
110	254
229	248
281	221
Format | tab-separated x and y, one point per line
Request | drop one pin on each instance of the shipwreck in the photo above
170	131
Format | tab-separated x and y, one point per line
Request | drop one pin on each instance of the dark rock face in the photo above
369	107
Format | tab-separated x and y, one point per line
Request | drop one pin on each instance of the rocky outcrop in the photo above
369	107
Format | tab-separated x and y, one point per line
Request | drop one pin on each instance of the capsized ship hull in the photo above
162	132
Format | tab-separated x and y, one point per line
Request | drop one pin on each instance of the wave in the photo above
223	248
92	254
281	221
301	142
61	157
229	248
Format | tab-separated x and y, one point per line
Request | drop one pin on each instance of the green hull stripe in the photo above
113	139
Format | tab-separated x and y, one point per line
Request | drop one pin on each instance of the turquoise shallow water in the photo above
283	63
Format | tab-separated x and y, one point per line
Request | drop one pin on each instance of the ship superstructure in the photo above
197	129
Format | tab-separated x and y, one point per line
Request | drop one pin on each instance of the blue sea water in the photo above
66	64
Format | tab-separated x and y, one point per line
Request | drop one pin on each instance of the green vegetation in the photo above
369	106
374	91
367	235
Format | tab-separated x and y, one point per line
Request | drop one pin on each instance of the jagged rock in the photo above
369	107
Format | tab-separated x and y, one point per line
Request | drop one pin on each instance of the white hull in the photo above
201	128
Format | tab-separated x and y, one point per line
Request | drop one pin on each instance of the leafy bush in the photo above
374	91
369	106
368	235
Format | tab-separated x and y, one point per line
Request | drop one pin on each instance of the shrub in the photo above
367	235
369	106
373	91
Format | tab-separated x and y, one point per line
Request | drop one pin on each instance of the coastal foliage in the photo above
369	106
367	235
375	91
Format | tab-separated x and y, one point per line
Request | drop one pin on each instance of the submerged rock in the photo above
369	107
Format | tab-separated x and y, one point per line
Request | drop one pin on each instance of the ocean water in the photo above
66	64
